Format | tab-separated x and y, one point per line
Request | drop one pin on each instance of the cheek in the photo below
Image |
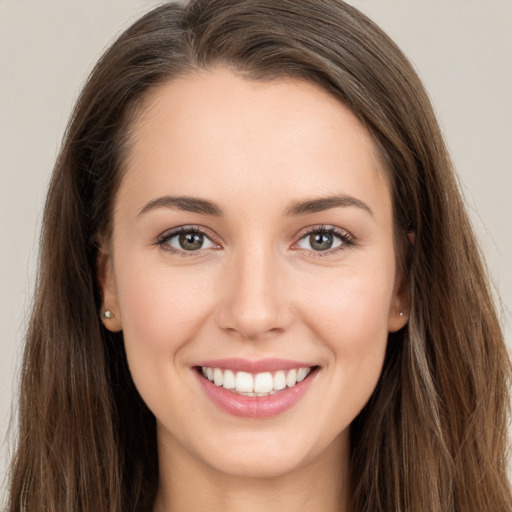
351	320
351	309
161	307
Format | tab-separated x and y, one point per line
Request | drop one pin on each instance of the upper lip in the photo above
260	366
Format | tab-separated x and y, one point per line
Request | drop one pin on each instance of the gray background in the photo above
462	49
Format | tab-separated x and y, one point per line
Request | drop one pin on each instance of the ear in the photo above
399	307
110	313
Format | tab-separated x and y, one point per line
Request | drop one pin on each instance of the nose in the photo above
254	301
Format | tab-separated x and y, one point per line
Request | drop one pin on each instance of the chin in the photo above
266	455
260	466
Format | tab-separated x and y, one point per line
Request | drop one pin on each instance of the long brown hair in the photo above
433	435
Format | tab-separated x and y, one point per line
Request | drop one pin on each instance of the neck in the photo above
186	483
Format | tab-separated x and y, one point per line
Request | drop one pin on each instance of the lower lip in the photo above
253	406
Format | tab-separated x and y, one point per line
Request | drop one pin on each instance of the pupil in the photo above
321	241
191	241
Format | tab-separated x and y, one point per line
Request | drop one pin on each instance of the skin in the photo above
257	289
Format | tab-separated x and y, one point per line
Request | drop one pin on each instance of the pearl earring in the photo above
401	314
108	314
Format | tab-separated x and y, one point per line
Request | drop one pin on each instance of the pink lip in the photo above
255	407
263	365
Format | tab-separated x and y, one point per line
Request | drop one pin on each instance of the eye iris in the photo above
321	241
191	241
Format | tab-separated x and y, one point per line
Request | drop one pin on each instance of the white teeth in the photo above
218	377
291	378
244	382
259	384
279	380
229	380
302	374
263	383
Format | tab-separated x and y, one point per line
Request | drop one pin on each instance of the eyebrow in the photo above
184	203
321	204
296	208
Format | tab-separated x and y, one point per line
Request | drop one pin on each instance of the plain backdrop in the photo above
462	49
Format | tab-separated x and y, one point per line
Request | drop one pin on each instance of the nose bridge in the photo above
254	304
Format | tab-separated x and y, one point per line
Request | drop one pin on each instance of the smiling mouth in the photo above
255	384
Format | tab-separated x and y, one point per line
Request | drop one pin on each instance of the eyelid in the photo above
347	239
167	235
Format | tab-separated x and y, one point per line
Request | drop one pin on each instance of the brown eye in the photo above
184	239
191	241
324	239
321	241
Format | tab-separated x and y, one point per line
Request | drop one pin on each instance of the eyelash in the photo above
163	240
347	240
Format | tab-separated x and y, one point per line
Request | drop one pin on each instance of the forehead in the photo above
214	128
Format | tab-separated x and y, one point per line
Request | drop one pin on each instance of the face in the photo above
252	270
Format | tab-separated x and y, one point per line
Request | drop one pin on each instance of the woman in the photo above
258	284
